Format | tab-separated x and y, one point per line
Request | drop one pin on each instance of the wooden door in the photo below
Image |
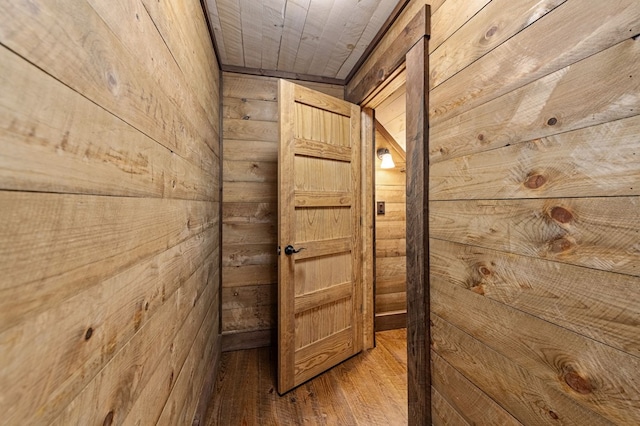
319	287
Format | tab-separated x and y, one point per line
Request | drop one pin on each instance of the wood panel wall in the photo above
109	212
249	207
390	237
535	212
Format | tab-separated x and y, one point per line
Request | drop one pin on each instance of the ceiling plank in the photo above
330	36
231	24
294	19
357	18
251	12
272	26
317	18
378	22
214	20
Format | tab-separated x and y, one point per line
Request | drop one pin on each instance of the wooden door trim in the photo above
410	48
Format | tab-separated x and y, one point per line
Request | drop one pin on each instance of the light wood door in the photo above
319	287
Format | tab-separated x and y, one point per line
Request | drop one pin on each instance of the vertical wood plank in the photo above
367	177
418	332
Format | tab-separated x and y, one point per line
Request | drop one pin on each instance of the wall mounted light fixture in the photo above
385	156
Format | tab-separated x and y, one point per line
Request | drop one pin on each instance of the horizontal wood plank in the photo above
322	199
306	301
52	149
249	192
568	296
85	331
238	276
443	413
322	150
250	150
531	399
319	248
111	80
391	248
467	398
100	400
82	240
250	130
553	104
573	367
250	109
314	359
249	87
560	165
249	171
598	233
248	213
248	254
488	29
249	233
247	340
545	47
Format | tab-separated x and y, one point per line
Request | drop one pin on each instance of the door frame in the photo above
406	42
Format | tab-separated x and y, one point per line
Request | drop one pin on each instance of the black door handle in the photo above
289	250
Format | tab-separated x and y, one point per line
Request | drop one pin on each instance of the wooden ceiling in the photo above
320	38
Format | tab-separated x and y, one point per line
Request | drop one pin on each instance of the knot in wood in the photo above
560	214
535	181
552	121
560	245
490	33
108	419
578	383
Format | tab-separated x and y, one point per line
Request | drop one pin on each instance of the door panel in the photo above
319	287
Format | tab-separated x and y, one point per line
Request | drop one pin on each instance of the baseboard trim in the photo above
247	340
391	321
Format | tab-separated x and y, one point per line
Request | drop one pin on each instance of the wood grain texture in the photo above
314	39
598	233
567	35
109	186
112	81
367	389
534	107
494	24
319	291
364	82
465	398
249	209
573	367
367	197
560	165
372	63
418	142
551	105
540	404
565	295
390	230
119	160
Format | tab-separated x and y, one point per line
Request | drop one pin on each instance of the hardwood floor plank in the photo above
367	389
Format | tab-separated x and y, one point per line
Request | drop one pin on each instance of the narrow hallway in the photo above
368	389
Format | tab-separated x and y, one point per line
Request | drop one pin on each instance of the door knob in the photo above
289	250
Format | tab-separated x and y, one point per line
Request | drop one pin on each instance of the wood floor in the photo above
368	389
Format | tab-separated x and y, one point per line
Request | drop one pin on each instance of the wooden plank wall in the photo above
249	208
109	212
390	238
535	212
